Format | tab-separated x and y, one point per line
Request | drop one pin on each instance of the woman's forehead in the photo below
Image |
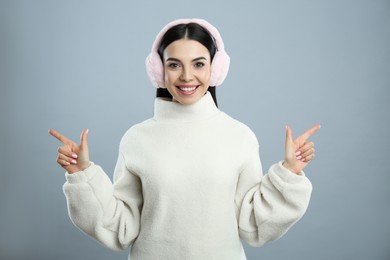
186	49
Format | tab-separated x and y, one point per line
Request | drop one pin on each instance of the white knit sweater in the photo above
188	185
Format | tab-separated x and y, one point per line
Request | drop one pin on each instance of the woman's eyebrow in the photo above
173	59
177	60
199	58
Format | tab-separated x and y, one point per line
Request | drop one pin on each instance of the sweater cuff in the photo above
81	176
285	174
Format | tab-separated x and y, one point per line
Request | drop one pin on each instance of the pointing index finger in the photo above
311	131
59	136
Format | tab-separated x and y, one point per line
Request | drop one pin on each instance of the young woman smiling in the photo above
188	183
187	70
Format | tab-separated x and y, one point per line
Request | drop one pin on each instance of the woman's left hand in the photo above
299	152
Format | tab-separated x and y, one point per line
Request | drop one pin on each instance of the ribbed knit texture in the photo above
188	185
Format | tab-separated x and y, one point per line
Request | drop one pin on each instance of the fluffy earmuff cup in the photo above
219	68
155	70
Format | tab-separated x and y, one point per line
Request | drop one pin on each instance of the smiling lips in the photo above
187	90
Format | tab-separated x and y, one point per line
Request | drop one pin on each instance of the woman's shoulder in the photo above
135	131
238	128
237	124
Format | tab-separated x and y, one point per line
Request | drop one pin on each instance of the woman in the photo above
188	182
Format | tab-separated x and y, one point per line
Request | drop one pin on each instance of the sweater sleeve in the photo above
269	205
110	213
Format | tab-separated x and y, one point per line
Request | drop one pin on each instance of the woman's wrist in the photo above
288	167
77	168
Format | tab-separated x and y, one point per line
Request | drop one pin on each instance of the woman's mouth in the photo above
187	90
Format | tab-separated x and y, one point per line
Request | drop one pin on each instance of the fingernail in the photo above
298	153
74	161
299	157
74	155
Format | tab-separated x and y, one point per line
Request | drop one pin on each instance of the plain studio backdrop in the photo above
69	65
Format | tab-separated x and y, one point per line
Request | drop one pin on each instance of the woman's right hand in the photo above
71	156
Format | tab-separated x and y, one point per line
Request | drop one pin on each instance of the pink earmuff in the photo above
219	65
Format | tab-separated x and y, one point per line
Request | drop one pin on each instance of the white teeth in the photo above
188	89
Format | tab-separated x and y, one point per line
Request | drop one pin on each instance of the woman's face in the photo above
186	70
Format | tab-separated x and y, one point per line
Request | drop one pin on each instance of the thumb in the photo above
84	139
289	138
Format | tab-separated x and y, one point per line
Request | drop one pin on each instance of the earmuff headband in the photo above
219	65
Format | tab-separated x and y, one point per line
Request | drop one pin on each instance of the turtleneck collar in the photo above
173	111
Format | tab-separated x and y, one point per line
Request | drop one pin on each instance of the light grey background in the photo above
74	64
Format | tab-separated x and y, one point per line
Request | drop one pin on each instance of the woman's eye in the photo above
173	65
199	65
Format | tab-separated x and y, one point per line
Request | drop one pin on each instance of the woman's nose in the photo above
186	74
